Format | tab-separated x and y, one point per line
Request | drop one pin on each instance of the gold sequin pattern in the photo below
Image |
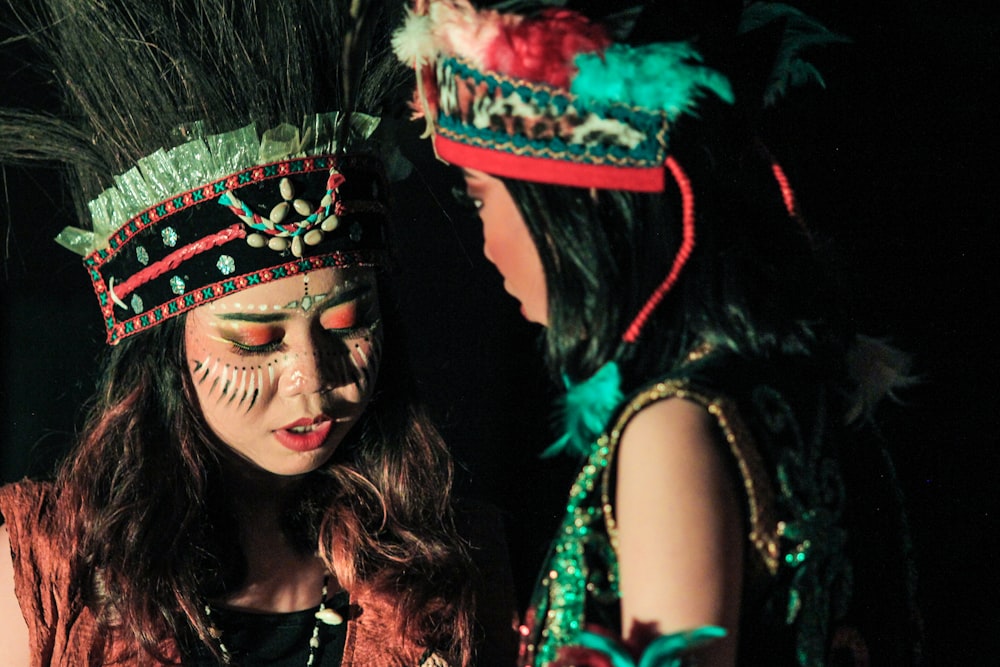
581	565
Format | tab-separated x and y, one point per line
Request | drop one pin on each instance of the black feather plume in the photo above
131	72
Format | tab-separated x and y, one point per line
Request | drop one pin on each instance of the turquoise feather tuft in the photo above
665	651
666	76
669	650
587	408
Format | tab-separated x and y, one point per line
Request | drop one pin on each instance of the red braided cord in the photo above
251	218
174	259
245	215
687	247
787	193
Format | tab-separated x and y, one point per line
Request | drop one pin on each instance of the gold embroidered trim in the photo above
759	490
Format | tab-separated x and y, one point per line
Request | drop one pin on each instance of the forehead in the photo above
290	293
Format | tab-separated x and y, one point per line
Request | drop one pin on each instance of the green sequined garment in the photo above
798	576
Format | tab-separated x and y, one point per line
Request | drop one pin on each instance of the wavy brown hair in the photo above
154	531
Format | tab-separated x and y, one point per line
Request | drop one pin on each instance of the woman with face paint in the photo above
732	504
254	484
283	371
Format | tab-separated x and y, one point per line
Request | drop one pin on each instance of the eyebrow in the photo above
282	315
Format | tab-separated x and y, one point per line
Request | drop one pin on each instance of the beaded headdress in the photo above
215	147
549	97
226	212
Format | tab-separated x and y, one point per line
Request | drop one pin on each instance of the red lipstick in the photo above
304	435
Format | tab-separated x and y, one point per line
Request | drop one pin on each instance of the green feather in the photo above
587	408
665	76
799	32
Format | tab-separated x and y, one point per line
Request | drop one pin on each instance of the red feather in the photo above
541	48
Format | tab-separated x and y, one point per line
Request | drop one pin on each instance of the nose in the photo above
301	371
297	381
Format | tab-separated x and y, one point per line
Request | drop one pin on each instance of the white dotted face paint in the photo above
283	370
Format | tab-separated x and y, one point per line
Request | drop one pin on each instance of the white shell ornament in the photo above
302	207
329	616
279	230
286	189
279	213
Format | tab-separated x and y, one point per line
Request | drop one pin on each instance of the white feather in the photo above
878	370
414	42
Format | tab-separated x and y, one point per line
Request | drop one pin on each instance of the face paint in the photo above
283	370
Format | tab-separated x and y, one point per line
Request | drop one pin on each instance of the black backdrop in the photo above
897	167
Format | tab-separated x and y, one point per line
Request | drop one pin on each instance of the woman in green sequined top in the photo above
718	403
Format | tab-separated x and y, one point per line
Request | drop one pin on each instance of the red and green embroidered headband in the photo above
223	213
549	98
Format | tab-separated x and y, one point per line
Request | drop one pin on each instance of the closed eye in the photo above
244	349
357	312
252	339
465	200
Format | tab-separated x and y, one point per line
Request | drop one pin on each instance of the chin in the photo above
305	464
534	318
292	464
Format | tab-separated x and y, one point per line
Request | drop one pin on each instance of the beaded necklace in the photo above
323	615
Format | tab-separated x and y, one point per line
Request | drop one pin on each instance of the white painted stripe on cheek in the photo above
242	388
250	390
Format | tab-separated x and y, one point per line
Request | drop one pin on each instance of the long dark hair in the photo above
754	283
154	533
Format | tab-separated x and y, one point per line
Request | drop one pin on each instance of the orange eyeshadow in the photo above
255	336
343	316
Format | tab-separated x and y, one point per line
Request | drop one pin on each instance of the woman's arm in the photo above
680	529
13	629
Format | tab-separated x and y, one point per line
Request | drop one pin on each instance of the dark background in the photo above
897	166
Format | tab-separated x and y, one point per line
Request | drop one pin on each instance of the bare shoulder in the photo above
678	422
670	451
13	630
679	530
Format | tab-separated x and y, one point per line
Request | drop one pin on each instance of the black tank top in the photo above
275	640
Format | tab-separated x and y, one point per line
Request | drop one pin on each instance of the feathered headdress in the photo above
554	97
558	97
211	145
549	97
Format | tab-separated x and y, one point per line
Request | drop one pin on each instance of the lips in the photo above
305	434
